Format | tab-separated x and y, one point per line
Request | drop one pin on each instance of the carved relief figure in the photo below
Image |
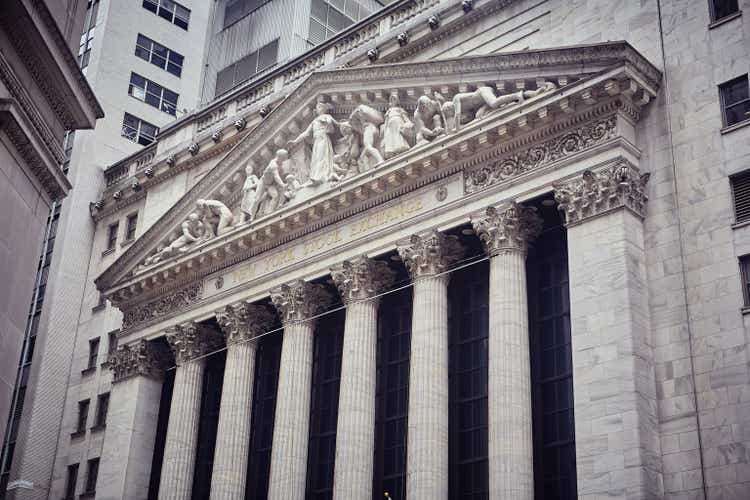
397	129
217	218
292	186
348	149
193	231
249	190
319	131
428	118
366	122
270	186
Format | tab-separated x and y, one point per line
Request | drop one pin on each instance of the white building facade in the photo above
461	250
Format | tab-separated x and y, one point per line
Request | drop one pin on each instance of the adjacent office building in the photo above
469	250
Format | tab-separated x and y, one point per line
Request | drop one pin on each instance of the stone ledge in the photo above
732	128
724	20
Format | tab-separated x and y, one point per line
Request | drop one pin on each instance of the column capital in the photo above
429	253
299	300
138	358
598	192
361	278
508	227
241	322
191	340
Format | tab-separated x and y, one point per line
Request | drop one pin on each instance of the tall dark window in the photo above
112	343
551	362
83	415
70	482
92	473
93	353
267	360
468	331
321	450
130	227
745	272
102	408
735	100
161	434
213	378
392	400
722	8
112	235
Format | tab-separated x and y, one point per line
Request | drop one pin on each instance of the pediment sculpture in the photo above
332	149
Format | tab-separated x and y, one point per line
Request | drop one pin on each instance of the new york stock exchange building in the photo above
415	272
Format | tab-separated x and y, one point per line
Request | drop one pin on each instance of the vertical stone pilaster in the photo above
188	342
426	256
241	323
616	421
131	428
505	233
296	303
358	281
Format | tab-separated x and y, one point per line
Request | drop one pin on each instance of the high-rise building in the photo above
461	249
42	94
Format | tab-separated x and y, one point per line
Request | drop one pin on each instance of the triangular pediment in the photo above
496	95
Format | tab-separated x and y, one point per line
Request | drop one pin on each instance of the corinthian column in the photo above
358	281
137	373
505	233
241	323
296	302
427	255
188	342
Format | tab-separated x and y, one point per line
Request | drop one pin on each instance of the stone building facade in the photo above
480	251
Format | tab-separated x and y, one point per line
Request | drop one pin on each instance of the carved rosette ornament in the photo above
299	300
429	253
600	192
510	227
242	322
190	340
361	278
139	358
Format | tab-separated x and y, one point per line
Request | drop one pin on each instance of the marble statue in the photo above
193	230
348	152
397	129
292	186
429	121
365	121
216	217
270	186
319	131
249	192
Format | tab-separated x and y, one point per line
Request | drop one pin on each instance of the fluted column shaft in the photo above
427	443
511	466
291	427
240	322
233	433
506	233
182	432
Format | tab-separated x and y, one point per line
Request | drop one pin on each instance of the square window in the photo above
735	100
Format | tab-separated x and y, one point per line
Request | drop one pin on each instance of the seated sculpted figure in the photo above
192	232
365	120
217	218
268	196
428	118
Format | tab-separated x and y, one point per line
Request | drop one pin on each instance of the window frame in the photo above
93	358
84	407
173	16
112	232
723	90
92	469
102	409
131	226
712	11
744	263
236	81
138	130
155	50
71	481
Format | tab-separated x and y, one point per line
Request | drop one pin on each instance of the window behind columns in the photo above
321	451
392	399
267	360
161	433
213	377
551	362
468	329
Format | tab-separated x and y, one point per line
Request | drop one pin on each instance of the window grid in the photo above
92	471
236	10
131	226
329	340
247	67
266	383
171	11
722	8
392	394
326	19
93	353
552	368
159	55
735	100
153	94
112	235
469	327
138	130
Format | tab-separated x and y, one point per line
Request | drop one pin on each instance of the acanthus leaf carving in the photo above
139	358
361	278
169	303
299	300
429	253
510	227
242	322
191	340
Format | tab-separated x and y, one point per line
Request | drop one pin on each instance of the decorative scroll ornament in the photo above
191	340
557	148
139	358
507	228
164	305
361	278
429	253
300	300
596	193
242	322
